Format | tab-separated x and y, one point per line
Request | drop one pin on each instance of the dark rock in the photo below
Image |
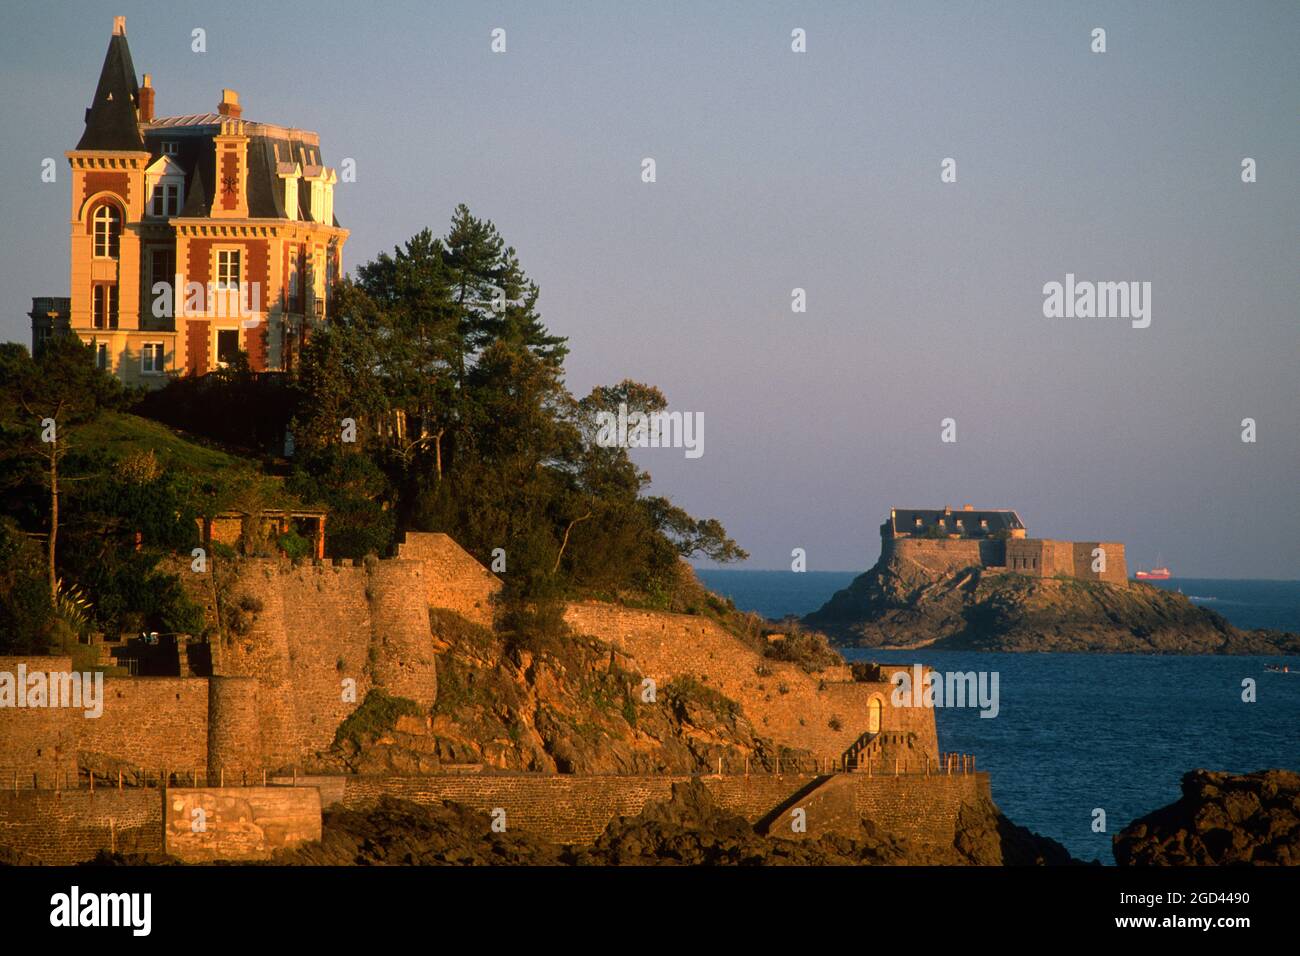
1220	819
900	604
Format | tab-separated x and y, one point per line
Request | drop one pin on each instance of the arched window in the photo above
107	225
873	715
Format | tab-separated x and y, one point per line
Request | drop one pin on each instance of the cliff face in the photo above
1221	819
902	604
572	706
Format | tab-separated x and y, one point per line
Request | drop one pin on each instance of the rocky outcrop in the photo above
568	706
900	604
1221	819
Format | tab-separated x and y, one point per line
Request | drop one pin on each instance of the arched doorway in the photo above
873	715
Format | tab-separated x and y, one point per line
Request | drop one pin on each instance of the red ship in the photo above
1155	574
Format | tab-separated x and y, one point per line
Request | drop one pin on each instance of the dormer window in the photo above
107	225
165	186
984	523
166	199
918	521
170	147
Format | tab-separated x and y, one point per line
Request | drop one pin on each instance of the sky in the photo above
821	170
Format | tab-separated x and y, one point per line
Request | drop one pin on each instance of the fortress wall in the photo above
37	740
234	731
400	631
151	722
64	827
329	629
665	646
1025	556
453	577
155	723
319	625
1116	565
576	809
560	808
941	555
238	823
907	720
922	809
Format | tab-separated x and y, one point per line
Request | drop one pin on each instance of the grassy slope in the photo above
118	435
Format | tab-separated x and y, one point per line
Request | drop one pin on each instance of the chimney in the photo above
146	100
229	105
967	507
119	26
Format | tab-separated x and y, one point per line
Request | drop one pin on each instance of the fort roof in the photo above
904	521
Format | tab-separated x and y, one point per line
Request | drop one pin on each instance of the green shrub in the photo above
377	714
294	545
809	650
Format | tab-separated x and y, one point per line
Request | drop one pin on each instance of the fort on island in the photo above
947	541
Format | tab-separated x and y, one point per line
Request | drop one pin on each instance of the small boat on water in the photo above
1155	574
1280	669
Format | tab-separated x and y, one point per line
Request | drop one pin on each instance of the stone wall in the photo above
1045	558
1037	557
453	578
313	628
154	723
783	702
65	827
238	823
922	809
1116	563
576	809
945	555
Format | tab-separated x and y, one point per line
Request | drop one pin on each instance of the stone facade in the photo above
968	547
576	809
238	823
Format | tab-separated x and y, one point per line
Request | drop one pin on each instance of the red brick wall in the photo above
229	170
196	344
119	183
199	267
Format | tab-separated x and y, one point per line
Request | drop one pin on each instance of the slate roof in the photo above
111	116
270	150
903	521
111	123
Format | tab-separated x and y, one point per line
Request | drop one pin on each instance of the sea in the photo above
1080	733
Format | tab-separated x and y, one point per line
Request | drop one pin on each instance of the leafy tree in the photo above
45	399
